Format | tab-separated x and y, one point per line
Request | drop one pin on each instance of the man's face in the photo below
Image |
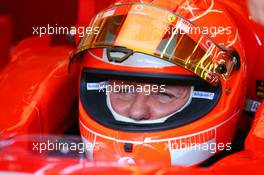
147	101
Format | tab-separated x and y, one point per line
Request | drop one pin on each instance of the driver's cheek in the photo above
121	106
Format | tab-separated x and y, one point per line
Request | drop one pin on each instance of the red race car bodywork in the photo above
37	97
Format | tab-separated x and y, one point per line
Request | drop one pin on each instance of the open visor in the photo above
143	28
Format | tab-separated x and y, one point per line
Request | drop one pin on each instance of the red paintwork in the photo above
33	85
252	40
6	39
36	95
31	13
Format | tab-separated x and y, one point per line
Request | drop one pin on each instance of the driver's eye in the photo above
165	94
164	97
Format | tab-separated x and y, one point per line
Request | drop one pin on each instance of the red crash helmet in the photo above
189	47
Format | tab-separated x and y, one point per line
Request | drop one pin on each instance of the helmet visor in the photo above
158	32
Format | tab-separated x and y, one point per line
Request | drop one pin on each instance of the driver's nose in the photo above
139	109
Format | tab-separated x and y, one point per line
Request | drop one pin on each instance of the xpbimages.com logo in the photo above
64	147
208	147
62	30
124	87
